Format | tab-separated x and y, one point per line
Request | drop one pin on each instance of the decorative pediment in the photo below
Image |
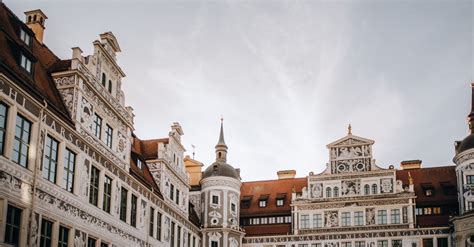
350	140
111	41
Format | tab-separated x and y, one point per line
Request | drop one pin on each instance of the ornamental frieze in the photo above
351	176
352	229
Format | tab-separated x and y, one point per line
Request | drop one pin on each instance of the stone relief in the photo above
196	201
350	152
233	242
386	185
167	229
370	216
334	244
350	187
331	218
64	81
348	166
69	96
215	216
117	198
316	190
79	239
34	231
86	113
122	145
141	223
84	175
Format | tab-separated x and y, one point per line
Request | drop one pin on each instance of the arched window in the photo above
103	79
336	191
29	18
374	189
366	189
110	86
328	192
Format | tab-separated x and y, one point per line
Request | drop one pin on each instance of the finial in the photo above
410	179
349	129
192	145
222	120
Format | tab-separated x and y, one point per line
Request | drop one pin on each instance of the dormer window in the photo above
245	202
262	201
139	163
428	189
26	63
25	37
280	199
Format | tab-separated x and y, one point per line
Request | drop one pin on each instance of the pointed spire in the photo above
470	117
349	129
221	147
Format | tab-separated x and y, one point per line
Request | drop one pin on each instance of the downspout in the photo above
35	173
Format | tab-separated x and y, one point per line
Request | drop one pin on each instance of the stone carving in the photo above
86	113
233	242
331	218
64	81
350	152
10	182
353	165
350	187
122	145
79	239
84	174
316	190
215	216
142	215
333	244
34	231
370	216
68	98
196	201
167	229
386	185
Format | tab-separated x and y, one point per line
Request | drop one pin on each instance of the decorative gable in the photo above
351	154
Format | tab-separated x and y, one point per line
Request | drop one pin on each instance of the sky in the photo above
287	76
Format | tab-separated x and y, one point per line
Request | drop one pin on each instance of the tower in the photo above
35	20
220	193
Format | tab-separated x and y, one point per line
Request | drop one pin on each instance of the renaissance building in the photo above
74	173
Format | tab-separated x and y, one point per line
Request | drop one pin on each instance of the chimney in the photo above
35	21
410	164
286	174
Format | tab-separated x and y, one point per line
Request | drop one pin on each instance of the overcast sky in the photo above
288	76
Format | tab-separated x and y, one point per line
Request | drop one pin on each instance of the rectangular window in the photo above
262	203
21	143
427	242
91	242
108	135
189	239
25	63
172	192
359	218
304	222
13	225
152	221
25	37
419	211
427	211
395	216
139	164
382	243
317	220
397	243
123	204
177	196
470	206
233	208
50	159
172	234
46	233
346	244
359	244
437	210
470	179
133	212
346	219
442	242
69	168
264	221
158	226
405	215
314	245
102	244
215	199
94	186
287	219
194	241
97	126
179	237
302	245
3	125
280	202
382	217
107	194
214	244
63	236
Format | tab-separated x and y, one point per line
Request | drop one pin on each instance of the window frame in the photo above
13	224
97	126
26	63
382	217
109	132
63	240
46	234
133	210
25	37
50	159
68	174
3	126
123	204
94	183
107	194
22	144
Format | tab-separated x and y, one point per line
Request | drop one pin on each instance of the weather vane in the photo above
192	145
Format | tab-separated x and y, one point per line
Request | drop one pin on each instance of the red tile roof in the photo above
143	174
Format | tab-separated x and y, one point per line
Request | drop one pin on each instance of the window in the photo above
108	135
94	186
133	211
102	244
189	239
287	219
158	226
25	37
69	167
179	237
428	192
359	218
233	208
374	189
437	210
427	211
359	244
314	245
302	245
97	126
262	203
46	233
177	196
21	143
110	86
419	211
25	63
470	206
123	204
104	79
397	243
346	244
172	192
63	236
427	242
50	159
470	179
366	189
107	194
443	242
336	191
214	244
328	192
304	222
395	216
317	221
139	164
152	221
13	225
382	217
3	125
280	202
215	199
382	243
91	242
405	214
263	221
172	234
346	219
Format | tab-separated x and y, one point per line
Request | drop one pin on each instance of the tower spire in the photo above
470	117
221	147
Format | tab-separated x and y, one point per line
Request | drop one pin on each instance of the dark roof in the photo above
143	174
148	148
220	169
39	83
465	144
